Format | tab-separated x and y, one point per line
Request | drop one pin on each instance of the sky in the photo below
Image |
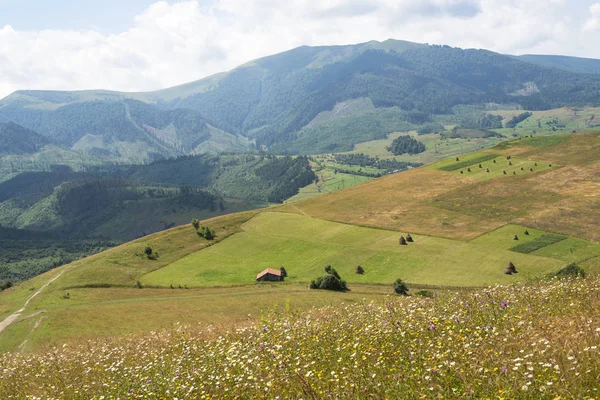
143	45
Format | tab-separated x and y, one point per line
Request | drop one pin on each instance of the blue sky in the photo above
140	45
109	16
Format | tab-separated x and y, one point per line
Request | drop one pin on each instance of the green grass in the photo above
543	141
329	182
305	245
503	238
570	250
463	162
538	243
92	314
536	341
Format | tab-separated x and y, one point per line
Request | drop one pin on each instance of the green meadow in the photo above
484	165
305	245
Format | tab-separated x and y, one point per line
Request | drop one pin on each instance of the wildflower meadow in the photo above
535	341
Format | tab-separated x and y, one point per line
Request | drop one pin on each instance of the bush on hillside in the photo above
148	251
206	232
360	270
571	270
196	223
330	281
400	287
5	285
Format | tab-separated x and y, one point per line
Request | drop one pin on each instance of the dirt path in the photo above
13	317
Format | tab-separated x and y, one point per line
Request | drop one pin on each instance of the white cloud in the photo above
169	44
593	22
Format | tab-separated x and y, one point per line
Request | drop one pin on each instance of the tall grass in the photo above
534	341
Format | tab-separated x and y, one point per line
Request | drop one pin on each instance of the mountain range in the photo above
304	101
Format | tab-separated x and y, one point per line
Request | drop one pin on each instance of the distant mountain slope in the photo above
118	128
571	64
14	139
273	100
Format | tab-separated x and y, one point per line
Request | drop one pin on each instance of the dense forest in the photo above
406	144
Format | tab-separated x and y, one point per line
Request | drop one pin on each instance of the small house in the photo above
270	275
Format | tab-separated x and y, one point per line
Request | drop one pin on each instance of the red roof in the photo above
269	271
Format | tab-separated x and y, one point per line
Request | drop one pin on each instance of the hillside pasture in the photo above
428	201
306	245
567	249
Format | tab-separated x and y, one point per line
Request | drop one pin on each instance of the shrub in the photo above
360	270
148	251
206	232
5	285
409	238
196	223
400	287
283	271
571	270
332	271
330	281
402	241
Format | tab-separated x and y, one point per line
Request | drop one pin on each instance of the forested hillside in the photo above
296	101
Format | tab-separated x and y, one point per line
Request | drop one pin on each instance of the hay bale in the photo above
468	169
507	271
461	171
510	163
402	241
480	166
514	172
516	237
359	270
530	169
504	172
535	164
512	267
457	159
487	170
409	238
494	161
526	233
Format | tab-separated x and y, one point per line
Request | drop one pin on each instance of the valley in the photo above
447	198
459	241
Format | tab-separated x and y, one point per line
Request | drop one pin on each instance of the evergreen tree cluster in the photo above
517	119
406	144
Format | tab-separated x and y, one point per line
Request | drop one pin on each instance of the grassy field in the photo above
567	250
96	314
559	199
463	228
329	181
437	148
537	341
305	245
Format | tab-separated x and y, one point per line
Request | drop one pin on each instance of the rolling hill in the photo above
304	101
465	226
572	64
